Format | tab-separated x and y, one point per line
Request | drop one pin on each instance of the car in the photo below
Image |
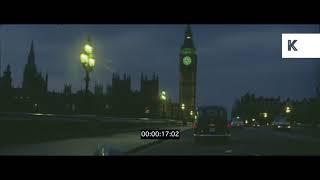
211	125
281	123
236	123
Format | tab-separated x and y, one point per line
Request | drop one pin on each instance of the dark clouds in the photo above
232	59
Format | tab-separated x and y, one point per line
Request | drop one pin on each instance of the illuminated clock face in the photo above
187	60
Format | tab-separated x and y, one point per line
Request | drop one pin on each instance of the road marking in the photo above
228	151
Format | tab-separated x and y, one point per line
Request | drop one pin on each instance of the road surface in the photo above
247	141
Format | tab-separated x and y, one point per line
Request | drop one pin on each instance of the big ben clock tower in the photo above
188	75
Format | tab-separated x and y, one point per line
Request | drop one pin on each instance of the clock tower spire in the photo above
188	76
188	42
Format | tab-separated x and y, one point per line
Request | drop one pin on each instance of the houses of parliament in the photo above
118	99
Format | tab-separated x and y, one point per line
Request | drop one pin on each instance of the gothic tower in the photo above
188	73
33	82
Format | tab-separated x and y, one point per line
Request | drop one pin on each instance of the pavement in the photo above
118	144
244	142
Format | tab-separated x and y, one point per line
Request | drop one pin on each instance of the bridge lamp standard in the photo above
288	109
88	61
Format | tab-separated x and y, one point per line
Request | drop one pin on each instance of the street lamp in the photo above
88	61
288	109
182	107
163	97
182	113
265	115
35	107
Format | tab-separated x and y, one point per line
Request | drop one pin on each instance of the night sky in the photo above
232	59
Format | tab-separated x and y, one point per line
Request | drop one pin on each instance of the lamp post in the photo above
182	107
288	109
182	113
88	61
265	116
163	98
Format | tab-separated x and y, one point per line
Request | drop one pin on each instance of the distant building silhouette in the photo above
6	81
149	94
33	82
125	101
67	89
121	94
6	92
120	87
118	99
98	90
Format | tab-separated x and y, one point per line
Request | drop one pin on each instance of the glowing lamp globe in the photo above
88	49
92	62
84	58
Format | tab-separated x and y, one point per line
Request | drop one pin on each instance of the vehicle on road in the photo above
211	125
237	123
281	123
